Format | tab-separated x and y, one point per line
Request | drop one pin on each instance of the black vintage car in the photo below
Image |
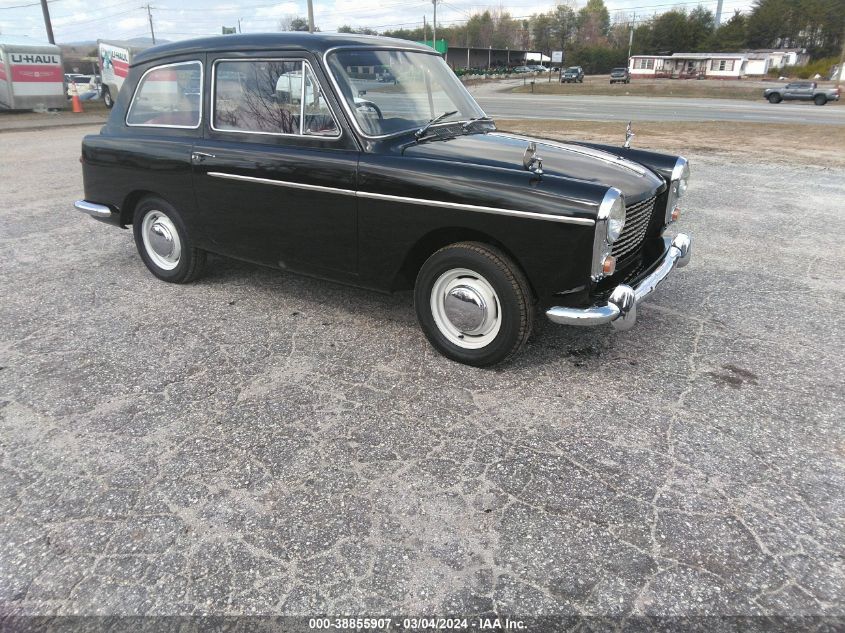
286	150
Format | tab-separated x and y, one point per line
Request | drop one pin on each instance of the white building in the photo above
689	65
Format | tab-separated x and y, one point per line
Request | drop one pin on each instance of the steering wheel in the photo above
360	103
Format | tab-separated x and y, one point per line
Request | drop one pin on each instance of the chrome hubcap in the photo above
465	308
161	240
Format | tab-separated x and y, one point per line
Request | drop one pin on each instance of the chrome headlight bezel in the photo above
615	220
613	204
678	184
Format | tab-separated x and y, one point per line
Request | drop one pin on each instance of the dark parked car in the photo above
801	91
572	74
262	148
620	75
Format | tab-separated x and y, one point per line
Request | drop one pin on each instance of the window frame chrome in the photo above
601	246
352	118
140	84
304	63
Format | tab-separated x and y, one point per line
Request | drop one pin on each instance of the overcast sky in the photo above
83	20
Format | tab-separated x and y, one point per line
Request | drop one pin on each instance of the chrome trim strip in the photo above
92	208
291	59
621	308
421	201
481	209
282	183
345	105
598	154
141	83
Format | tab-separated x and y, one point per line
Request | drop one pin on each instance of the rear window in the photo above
168	96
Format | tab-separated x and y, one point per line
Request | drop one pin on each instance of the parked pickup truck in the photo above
801	91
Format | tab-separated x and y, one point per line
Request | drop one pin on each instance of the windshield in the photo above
572	69
392	91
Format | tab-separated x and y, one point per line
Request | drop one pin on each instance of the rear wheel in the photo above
164	244
774	98
474	304
820	100
107	98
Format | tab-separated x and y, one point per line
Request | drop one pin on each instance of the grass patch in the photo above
666	88
805	143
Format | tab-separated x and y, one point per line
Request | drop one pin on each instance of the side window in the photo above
270	97
168	96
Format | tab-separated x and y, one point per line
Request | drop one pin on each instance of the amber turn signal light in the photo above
608	266
676	213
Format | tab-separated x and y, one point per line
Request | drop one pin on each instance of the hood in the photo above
564	160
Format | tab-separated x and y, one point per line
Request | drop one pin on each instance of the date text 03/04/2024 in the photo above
412	624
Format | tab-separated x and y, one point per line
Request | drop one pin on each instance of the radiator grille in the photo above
637	218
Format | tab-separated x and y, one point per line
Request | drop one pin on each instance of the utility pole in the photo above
434	25
239	26
631	37
425	30
46	11
718	14
150	16
310	16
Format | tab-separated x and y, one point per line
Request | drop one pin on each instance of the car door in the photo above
275	173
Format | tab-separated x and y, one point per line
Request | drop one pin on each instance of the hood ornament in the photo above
629	134
530	161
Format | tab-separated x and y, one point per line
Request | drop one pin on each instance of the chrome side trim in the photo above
282	183
91	208
140	84
421	201
621	308
481	209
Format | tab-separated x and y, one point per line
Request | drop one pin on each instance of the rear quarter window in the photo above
168	96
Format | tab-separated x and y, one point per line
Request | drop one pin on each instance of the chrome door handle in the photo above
201	156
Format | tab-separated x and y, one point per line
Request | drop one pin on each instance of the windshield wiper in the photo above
466	124
419	133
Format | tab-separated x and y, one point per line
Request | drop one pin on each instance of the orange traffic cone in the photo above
77	102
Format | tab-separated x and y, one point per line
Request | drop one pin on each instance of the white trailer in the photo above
31	75
114	58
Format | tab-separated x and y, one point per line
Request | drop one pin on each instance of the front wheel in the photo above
107	98
774	98
164	244
820	100
474	304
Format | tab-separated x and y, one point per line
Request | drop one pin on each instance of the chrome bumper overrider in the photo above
621	307
91	208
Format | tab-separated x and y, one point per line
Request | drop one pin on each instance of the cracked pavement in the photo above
261	443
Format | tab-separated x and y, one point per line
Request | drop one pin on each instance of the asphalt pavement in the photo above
262	443
497	101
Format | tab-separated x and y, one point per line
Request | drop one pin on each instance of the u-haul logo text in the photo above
35	58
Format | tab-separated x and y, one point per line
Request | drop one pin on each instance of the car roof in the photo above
317	43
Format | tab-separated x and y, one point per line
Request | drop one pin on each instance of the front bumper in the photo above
621	307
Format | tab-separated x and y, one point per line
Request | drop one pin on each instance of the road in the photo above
603	108
262	443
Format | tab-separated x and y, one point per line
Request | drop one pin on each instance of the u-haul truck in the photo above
31	75
114	59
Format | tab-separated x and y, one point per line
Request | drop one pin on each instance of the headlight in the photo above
683	181
615	221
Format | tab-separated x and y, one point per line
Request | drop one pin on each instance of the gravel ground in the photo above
260	443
